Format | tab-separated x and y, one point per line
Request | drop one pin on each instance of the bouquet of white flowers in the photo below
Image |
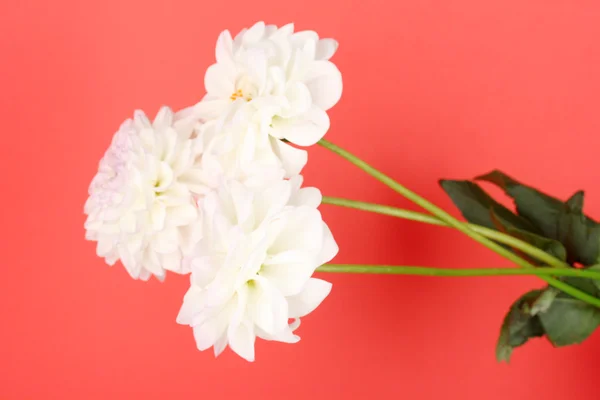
215	191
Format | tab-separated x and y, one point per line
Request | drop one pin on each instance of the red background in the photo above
432	89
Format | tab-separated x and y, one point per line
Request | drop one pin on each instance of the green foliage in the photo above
519	326
557	227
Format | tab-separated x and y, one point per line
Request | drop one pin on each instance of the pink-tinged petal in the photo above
140	120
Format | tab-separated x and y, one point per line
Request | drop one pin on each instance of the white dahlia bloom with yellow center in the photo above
252	271
142	205
286	75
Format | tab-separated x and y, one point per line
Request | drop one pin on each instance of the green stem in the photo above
497	236
425	204
453	222
446	272
456	272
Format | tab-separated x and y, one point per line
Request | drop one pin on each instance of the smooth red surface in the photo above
432	89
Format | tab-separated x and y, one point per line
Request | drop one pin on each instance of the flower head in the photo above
240	149
285	75
253	268
142	202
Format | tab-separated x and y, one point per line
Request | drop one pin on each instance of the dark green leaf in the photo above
542	210
562	221
519	326
543	303
478	207
498	178
553	247
575	202
568	320
584	284
550	246
581	237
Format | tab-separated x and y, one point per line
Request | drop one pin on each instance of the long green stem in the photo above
453	222
426	271
497	236
425	204
456	272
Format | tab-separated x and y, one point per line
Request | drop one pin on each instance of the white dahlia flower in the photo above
239	149
286	74
252	271
142	202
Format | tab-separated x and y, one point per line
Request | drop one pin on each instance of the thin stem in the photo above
445	272
497	236
453	222
425	204
455	272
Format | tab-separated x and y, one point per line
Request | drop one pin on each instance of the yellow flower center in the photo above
239	94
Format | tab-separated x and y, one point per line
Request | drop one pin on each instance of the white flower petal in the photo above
303	231
308	196
158	213
304	130
313	294
171	261
219	81
290	277
330	247
241	340
299	99
192	304
271	309
220	345
300	39
182	215
164	118
210	331
324	81
224	50
255	33
326	48
212	108
293	159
